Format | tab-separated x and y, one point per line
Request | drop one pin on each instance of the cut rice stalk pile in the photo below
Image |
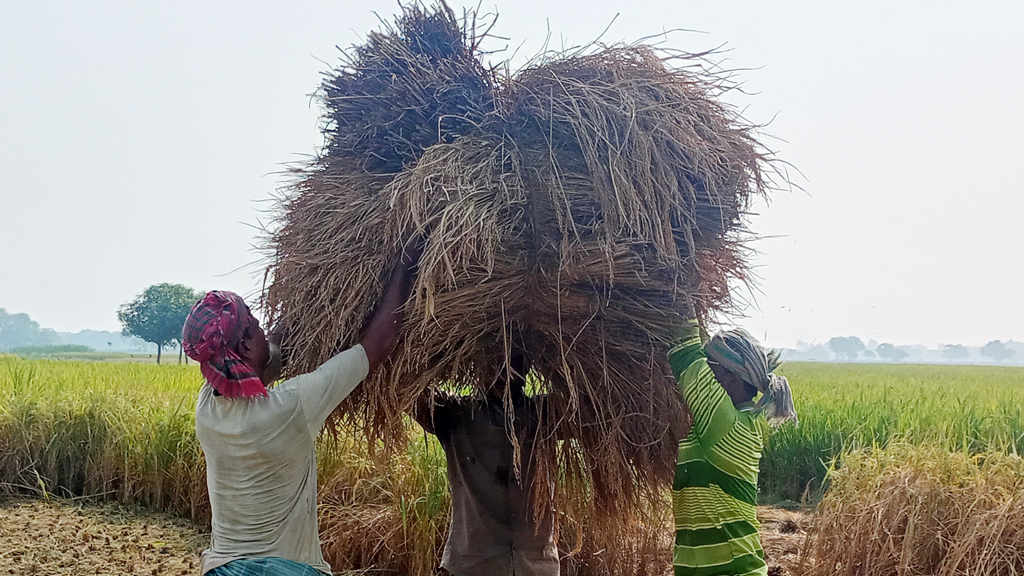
921	510
571	210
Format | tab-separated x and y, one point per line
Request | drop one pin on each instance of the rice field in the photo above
125	432
844	407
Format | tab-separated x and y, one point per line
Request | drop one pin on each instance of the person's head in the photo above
743	368
226	339
253	347
511	375
739	390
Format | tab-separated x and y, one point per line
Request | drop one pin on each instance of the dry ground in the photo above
64	537
61	537
783	535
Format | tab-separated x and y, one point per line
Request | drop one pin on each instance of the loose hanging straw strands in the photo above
570	209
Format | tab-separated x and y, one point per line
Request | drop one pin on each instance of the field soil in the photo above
784	538
65	537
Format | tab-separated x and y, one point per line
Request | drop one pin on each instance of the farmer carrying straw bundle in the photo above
259	441
714	495
572	206
495	530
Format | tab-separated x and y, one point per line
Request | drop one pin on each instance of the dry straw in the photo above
912	510
570	209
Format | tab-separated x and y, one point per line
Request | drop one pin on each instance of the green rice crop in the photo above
843	407
126	432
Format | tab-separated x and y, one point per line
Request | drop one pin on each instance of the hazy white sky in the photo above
139	142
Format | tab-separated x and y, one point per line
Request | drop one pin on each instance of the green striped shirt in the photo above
714	496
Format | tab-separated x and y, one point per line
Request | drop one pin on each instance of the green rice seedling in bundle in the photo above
846	406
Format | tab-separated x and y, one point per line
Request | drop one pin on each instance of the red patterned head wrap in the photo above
212	331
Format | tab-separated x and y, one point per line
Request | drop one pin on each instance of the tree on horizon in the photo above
158	315
955	352
997	351
849	346
889	352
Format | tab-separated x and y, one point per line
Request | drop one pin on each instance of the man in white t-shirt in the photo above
259	442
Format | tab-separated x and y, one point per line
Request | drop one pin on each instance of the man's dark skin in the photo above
494	528
737	389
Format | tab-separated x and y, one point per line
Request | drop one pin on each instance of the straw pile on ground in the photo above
571	209
921	510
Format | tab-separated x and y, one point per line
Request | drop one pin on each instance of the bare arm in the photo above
383	328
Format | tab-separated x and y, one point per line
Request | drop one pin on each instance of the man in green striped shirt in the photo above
714	496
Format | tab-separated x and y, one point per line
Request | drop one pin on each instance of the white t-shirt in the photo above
261	463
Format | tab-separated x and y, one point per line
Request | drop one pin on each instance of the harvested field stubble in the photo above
66	538
572	209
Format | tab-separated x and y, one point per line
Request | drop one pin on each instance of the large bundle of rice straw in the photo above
921	510
570	209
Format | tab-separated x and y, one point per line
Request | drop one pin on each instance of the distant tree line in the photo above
851	348
155	316
18	330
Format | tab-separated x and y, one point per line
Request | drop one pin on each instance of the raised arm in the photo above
326	387
383	328
708	401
